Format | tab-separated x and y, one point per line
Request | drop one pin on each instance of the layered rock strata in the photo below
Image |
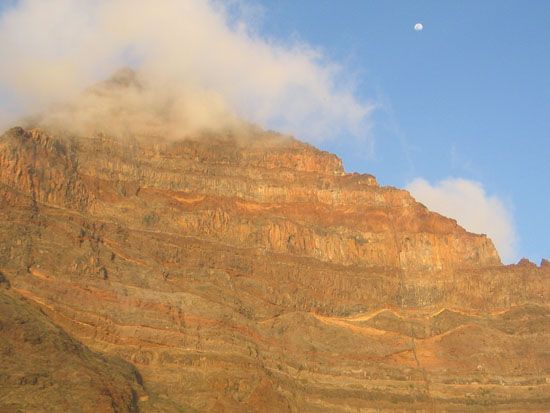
45	370
251	273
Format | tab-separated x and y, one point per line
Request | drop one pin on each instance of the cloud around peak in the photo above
475	210
204	55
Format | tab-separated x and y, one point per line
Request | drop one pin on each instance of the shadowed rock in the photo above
44	370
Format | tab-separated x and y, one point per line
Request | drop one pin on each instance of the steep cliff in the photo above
246	271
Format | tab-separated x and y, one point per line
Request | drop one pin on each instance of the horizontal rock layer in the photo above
253	274
45	370
270	192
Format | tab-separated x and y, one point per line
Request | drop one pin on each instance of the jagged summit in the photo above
129	105
124	77
123	81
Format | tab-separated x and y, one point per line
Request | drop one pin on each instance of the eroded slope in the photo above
45	370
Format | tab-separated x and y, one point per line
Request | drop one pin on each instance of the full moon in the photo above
418	27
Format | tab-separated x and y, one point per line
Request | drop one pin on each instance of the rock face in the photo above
44	370
249	272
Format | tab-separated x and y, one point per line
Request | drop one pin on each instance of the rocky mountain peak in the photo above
244	270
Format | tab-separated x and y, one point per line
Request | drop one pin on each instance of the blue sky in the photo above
469	96
462	113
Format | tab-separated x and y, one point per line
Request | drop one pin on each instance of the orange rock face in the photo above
253	274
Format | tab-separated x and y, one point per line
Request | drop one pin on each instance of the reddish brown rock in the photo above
44	370
251	273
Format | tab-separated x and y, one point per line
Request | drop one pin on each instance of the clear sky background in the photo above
462	108
468	96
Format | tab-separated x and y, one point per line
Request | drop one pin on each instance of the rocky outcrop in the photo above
42	167
45	370
265	192
249	272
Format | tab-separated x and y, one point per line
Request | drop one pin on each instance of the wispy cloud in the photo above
199	51
468	203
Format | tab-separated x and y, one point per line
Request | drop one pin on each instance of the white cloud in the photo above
475	210
52	49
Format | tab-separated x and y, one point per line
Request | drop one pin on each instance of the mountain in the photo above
43	369
243	270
